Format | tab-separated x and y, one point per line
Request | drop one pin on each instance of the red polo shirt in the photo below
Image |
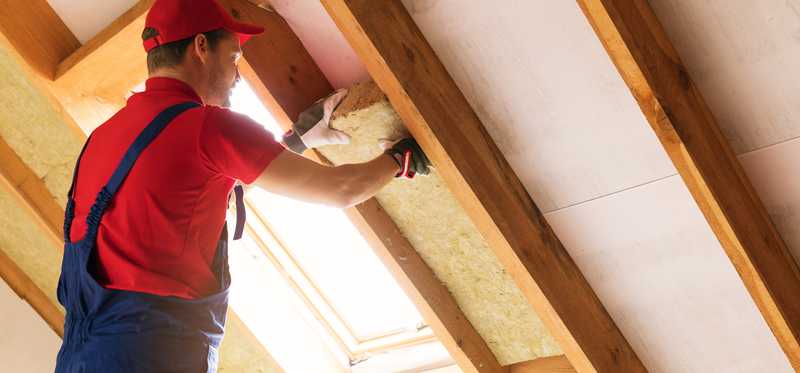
160	232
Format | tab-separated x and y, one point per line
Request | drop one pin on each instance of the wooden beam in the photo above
18	281
278	59
675	109
36	31
433	300
92	83
553	364
436	113
31	191
282	73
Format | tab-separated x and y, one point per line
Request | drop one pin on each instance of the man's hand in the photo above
410	158
312	128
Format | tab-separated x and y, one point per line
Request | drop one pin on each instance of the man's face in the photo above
223	70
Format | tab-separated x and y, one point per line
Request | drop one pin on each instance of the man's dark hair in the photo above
171	54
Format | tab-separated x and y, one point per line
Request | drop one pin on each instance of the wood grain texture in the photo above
437	114
741	51
272	77
278	59
31	190
36	31
553	364
437	306
672	104
95	80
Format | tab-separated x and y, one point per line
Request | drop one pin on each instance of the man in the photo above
144	278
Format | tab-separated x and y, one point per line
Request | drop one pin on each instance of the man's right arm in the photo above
294	176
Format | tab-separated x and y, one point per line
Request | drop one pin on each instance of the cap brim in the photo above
244	31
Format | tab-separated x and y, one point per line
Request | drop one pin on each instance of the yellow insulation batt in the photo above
433	221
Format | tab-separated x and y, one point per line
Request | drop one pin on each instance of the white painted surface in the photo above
28	345
743	55
327	46
656	266
85	18
546	91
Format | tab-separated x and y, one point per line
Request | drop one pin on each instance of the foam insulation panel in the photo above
38	133
435	224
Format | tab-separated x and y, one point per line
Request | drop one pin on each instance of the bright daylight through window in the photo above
312	291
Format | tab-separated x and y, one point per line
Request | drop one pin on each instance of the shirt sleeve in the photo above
236	146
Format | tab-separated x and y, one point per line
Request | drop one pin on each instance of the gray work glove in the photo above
410	158
312	129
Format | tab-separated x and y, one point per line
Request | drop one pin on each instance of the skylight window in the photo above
347	295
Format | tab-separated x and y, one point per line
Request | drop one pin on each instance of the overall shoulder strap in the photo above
141	142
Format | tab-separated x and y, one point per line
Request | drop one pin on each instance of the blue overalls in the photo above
124	331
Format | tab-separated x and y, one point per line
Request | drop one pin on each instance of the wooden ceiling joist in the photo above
288	80
672	104
554	364
31	190
94	81
435	111
36	31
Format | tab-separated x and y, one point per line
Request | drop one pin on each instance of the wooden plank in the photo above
31	191
102	48
437	306
278	59
36	31
269	80
435	111
675	109
92	83
553	364
26	289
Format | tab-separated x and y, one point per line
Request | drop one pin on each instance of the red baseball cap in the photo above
180	19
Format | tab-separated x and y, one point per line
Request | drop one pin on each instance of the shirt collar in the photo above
164	84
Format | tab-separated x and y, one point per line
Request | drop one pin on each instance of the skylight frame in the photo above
279	254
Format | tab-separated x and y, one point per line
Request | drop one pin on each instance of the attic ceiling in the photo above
551	99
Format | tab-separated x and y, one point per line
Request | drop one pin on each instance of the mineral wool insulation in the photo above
435	224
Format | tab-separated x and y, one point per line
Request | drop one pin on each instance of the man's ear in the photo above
200	48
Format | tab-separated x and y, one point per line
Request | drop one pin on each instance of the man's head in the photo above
198	42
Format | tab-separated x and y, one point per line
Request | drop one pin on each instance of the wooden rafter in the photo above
92	83
43	48
435	111
286	78
17	179
672	104
32	191
553	364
